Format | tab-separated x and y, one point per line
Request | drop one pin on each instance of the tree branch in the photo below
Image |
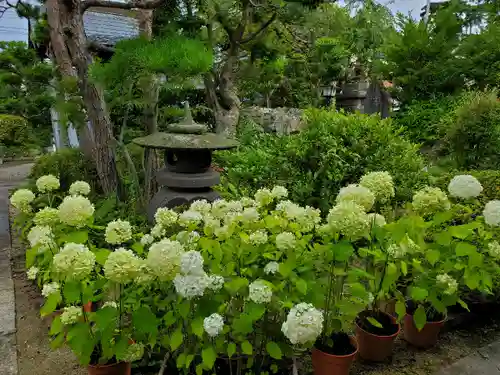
134	4
96	47
263	27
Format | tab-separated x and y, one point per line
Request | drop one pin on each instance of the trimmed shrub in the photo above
334	150
15	136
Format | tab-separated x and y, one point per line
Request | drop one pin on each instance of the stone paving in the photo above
486	361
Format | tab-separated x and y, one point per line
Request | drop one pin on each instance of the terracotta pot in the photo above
425	338
120	368
330	364
374	347
87	307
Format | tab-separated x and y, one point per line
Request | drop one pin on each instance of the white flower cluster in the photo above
50	288
259	237
465	186
201	206
350	219
75	210
164	259
396	251
158	231
450	284
74	261
357	194
122	266
145	275
264	197
285	241
249	215
430	200
303	325
380	184
191	286
111	304
134	352
271	268
79	188
22	199
213	324
47	183
192	263
306	217
215	282
147	239
118	232
190	218
71	315
259	291
46	216
166	217
494	249
376	220
491	213
188	239
41	236
32	273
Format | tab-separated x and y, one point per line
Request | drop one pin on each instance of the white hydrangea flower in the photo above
42	236
122	266
145	275
79	188
215	282
271	268
380	184
303	325
309	220
350	219
219	209
32	273
201	206
213	324
223	232
248	202
430	200
21	199
357	194
166	217
50	288
47	183
147	239
192	263
211	224
75	210
74	261
291	210
111	304
47	216
264	197
279	192
260	292
448	282
188	218
465	186
133	353
377	220
164	258
285	241
118	232
491	213
396	251
158	231
71	315
191	286
249	215
259	237
234	206
494	249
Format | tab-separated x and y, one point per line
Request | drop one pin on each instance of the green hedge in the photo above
335	149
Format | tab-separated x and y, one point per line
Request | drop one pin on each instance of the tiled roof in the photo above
108	29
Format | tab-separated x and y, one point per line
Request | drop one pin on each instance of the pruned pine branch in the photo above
96	47
5	5
133	4
263	27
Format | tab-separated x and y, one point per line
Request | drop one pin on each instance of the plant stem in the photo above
164	363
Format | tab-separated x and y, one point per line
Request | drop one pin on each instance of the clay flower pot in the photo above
373	347
120	368
330	364
425	338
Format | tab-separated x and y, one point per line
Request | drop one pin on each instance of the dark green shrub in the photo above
472	131
70	165
336	149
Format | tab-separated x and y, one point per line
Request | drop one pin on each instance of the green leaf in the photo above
342	251
235	285
461	231
208	356
243	324
145	321
106	318
58	341
274	350
418	294
81	236
301	285
246	348
189	359
286	268
463	304
400	309
181	360
420	317
374	322
176	339
392	269
50	304
137	247
404	268
31	256
56	326
231	349
72	292
432	256
199	370
197	327
464	248
169	318
255	310
101	256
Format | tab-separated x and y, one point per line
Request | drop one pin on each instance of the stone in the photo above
276	120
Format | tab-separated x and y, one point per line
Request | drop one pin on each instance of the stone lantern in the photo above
187	175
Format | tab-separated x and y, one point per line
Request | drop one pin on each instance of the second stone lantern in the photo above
187	175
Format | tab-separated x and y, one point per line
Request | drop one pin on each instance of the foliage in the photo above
15	134
336	149
472	131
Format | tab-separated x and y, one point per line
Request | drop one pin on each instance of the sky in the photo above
14	29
